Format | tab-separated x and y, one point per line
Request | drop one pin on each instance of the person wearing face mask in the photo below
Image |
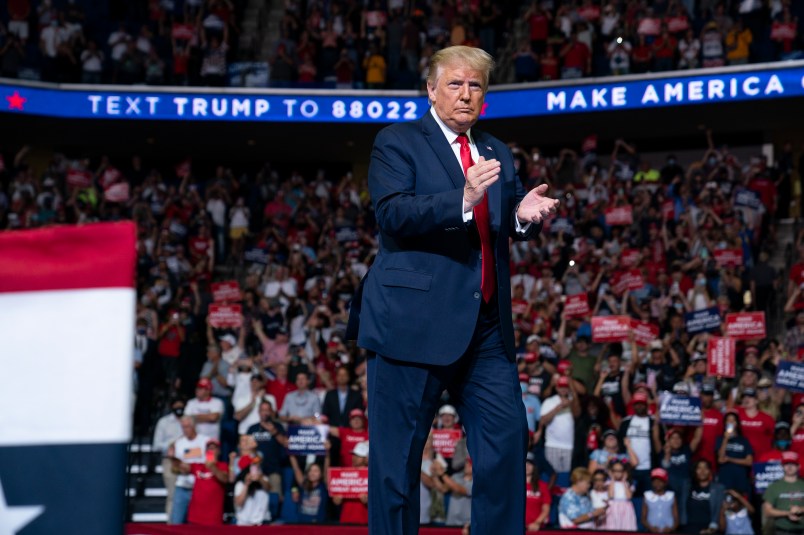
671	169
168	429
698	296
781	443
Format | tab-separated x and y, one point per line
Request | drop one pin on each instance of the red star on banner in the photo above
483	109
16	101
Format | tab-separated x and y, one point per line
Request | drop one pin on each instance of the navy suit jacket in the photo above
421	298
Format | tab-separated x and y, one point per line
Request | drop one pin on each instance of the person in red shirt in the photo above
781	443
209	491
576	57
537	501
279	386
350	436
712	426
539	22
797	430
549	64
664	51
355	510
757	425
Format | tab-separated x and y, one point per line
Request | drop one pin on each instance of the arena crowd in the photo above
244	280
377	44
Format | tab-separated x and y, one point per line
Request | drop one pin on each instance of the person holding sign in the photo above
784	498
355	510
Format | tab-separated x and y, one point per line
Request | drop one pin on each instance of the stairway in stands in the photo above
145	492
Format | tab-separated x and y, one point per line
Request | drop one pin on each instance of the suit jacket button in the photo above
477	295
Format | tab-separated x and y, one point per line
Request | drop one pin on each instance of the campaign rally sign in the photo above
790	375
729	257
644	332
444	441
745	325
627	280
629	258
67	306
78	178
576	305
255	255
307	439
747	199
680	410
619	215
118	192
347	482
226	291
610	328
560	224
720	357
225	316
701	321
765	474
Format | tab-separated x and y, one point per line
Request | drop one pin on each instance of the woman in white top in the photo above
251	496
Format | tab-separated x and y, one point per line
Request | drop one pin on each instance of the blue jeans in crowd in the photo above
181	502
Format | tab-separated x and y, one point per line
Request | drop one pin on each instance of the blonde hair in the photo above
580	474
475	58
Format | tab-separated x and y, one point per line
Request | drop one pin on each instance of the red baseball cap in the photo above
659	473
563	366
524	378
640	397
789	457
356	413
204	383
563	381
530	358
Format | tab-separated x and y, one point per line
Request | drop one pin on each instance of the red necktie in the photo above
481	215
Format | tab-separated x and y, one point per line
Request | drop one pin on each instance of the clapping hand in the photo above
478	179
535	207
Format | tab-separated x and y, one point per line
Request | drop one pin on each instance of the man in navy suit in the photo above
435	311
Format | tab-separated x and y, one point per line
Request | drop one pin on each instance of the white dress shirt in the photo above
452	139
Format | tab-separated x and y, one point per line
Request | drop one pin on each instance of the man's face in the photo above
640	409
356	422
266	412
302	382
342	378
749	402
790	469
447	420
706	400
188	427
202	393
457	96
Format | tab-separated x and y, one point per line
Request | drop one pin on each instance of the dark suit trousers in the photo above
402	401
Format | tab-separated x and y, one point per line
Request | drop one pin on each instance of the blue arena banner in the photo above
790	375
765	474
705	320
307	439
680	410
712	86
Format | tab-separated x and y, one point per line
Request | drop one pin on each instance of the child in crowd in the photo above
735	514
659	510
599	496
620	515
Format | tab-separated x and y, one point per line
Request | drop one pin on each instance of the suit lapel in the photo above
435	137
485	150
